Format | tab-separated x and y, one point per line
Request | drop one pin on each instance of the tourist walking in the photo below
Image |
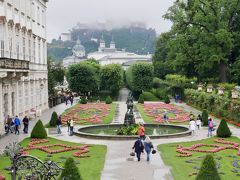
192	125
68	125
17	124
138	148
25	124
165	117
199	121
59	124
148	146
8	125
210	126
141	131
71	127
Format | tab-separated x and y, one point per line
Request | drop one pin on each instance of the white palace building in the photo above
110	55
23	58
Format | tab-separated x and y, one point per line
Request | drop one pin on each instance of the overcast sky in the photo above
64	14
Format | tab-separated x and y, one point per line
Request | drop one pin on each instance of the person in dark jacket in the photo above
59	123
25	124
138	148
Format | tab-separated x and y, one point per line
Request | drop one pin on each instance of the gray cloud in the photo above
64	14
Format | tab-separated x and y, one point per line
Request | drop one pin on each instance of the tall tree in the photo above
204	33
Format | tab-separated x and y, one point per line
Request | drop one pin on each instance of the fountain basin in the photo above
154	131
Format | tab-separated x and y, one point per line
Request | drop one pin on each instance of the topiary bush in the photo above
166	100
83	100
205	117
223	130
141	99
39	131
70	170
148	96
208	170
53	120
108	100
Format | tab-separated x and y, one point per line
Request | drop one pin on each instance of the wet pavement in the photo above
119	165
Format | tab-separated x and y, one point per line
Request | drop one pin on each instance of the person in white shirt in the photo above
192	125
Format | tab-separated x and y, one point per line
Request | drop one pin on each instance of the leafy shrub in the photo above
148	96
70	170
161	93
181	80
83	100
156	83
53	121
227	86
223	130
141	99
166	100
128	130
39	131
222	106
108	100
205	117
208	169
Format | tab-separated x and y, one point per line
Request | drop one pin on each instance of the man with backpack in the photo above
138	148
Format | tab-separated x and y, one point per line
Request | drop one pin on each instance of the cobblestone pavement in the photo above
119	165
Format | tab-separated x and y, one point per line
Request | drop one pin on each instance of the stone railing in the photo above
14	64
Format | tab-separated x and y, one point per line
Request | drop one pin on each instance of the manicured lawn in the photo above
90	167
182	167
91	113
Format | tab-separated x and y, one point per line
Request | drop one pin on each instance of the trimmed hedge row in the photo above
220	106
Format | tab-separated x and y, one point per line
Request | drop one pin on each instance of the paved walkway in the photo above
119	164
45	117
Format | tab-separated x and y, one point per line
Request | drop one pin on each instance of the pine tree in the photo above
54	118
141	99
39	131
223	130
108	100
205	117
70	170
208	170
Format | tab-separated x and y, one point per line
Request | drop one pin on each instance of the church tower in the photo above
112	44
102	43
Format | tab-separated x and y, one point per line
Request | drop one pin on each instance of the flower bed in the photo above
87	113
82	150
185	151
156	111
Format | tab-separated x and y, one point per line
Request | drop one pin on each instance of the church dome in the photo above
78	47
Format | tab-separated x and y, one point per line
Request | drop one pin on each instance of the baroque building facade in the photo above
23	58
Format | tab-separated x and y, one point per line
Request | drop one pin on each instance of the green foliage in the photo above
70	170
139	76
223	130
156	83
128	130
148	96
39	131
53	121
161	93
221	106
180	80
108	100
83	77
141	99
227	86
203	41
166	100
208	170
83	100
111	77
205	117
51	80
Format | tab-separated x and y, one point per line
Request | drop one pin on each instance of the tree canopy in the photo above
204	40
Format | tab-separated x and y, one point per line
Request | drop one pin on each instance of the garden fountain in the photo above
112	131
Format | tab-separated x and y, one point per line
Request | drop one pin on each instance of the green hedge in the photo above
148	96
220	106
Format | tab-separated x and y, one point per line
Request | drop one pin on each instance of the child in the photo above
192	125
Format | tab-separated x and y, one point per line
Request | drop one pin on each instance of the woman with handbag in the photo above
148	146
138	148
